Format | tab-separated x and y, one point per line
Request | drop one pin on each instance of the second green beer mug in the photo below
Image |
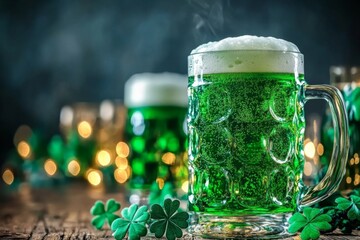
156	132
246	129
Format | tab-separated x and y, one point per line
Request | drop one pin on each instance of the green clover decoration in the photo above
102	214
310	223
352	206
133	222
168	220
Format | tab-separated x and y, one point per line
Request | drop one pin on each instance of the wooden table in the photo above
62	212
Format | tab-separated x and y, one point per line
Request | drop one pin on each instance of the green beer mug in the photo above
246	129
156	132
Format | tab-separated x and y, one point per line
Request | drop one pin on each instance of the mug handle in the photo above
336	170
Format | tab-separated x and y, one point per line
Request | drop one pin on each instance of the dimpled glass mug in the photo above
246	128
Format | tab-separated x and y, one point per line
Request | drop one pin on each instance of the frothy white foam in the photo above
247	42
257	54
156	89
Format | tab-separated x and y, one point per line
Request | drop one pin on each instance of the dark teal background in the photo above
54	53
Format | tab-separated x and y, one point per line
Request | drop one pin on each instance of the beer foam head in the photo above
247	42
246	54
156	89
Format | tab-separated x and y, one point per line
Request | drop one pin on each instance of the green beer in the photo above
246	128
156	132
247	151
151	133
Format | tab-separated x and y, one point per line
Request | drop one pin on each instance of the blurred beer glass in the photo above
156	133
347	79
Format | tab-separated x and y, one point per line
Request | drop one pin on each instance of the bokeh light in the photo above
74	167
309	149
169	158
84	129
356	158
357	179
66	116
348	180
308	168
120	175
103	158
106	110
160	183
94	177
8	176
50	167
24	149
185	186
134	199
122	149
320	149
121	163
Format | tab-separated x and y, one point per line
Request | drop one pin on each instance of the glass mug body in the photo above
246	129
156	131
157	138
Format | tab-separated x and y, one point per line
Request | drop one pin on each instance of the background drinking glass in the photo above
347	79
156	132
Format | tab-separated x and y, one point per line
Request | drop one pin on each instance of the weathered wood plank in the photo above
63	214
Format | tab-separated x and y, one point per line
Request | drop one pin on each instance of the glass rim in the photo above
246	51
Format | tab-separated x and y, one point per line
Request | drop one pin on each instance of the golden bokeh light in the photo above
8	176
185	186
122	149
103	158
348	180
160	183
357	160
84	129
320	149
168	158
121	175
357	179
74	167
121	162
308	168
309	149
352	161
128	171
24	149
94	177
50	167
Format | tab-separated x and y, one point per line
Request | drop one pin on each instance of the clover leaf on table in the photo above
310	223
133	222
169	220
355	192
102	214
352	206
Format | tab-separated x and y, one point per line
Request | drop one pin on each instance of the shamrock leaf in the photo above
101	215
355	192
310	223
133	222
352	206
169	220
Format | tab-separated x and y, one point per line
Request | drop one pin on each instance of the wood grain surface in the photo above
62	213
